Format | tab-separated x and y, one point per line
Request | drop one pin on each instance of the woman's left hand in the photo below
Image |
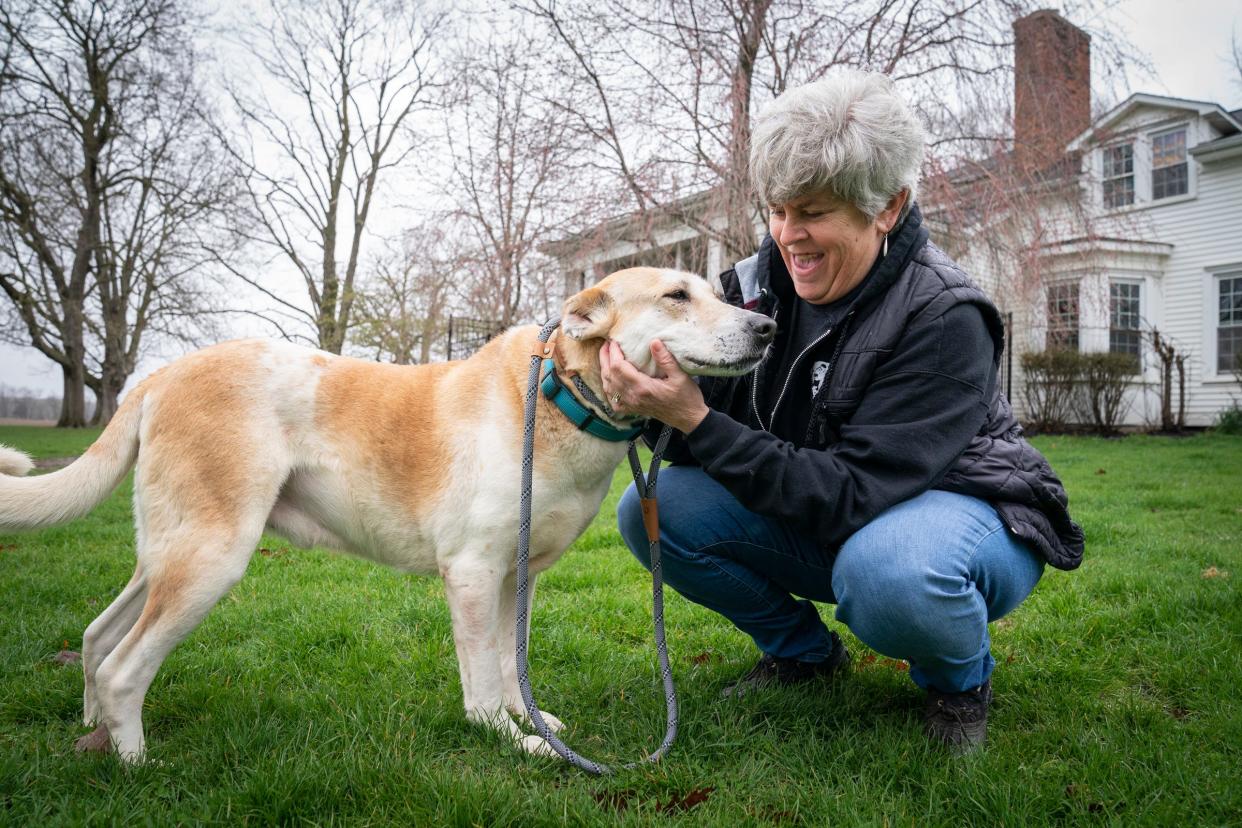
672	397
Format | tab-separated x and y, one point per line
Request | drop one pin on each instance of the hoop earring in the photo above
885	253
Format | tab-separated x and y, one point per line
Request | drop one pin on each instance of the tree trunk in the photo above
1166	394
1167	355
1181	393
73	398
429	330
740	241
105	408
106	397
328	339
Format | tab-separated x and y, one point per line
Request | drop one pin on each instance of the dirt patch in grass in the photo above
53	463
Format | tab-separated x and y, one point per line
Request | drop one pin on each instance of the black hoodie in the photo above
910	402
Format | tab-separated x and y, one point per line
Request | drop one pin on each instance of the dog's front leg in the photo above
506	642
473	586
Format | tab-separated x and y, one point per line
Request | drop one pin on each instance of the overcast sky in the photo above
1188	44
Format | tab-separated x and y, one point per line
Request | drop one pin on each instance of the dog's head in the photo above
706	335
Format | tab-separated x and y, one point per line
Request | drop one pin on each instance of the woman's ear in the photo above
887	219
587	314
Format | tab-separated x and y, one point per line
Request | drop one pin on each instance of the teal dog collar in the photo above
581	416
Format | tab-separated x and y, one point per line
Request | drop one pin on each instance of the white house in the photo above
1162	178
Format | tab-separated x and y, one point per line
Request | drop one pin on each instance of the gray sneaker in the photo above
772	670
958	720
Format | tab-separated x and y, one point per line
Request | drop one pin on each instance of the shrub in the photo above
1105	378
1049	387
1229	421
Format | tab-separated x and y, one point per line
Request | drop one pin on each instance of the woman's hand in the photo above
672	397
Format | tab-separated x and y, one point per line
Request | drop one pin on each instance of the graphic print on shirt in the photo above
818	371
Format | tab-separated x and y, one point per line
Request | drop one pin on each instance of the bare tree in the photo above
672	84
512	164
58	73
168	189
1172	358
88	257
402	307
667	68
346	79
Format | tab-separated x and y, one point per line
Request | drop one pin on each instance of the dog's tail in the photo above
71	492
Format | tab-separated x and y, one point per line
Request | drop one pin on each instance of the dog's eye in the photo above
677	295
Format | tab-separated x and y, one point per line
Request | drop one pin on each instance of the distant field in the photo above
324	690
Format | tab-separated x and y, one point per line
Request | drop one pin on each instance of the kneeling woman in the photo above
871	461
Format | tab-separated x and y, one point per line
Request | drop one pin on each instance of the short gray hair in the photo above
849	133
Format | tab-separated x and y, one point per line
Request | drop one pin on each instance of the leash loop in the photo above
646	486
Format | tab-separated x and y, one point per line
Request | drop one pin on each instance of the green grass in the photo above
324	690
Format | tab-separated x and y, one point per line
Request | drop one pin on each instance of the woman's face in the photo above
828	245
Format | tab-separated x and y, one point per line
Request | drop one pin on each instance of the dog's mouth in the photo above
718	368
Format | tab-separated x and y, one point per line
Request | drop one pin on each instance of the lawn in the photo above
324	690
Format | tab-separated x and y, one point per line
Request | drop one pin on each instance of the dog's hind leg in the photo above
102	636
196	569
473	583
505	642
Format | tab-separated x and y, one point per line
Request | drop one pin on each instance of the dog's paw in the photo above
554	724
536	746
97	741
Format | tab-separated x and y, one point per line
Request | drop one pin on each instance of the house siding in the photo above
1206	234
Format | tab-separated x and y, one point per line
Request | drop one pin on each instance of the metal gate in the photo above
465	336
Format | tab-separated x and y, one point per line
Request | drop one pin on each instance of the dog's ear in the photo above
587	315
713	281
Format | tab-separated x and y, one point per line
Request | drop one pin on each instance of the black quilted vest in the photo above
914	280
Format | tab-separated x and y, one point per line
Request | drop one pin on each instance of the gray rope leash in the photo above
646	488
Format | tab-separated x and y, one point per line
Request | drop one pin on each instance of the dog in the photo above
415	467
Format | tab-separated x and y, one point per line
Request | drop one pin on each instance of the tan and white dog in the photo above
416	467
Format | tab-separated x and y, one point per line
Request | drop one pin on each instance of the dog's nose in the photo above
763	327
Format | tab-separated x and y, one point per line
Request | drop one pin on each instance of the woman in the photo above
871	461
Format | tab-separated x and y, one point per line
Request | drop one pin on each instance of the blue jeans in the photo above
920	582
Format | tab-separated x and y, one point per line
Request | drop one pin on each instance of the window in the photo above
1124	327
1169	171
1119	175
1229	326
1062	317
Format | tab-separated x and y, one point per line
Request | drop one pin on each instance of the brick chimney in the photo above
1052	87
